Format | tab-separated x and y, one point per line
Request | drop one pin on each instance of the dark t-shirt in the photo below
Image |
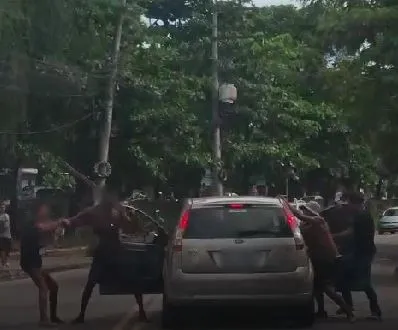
364	232
341	218
30	248
108	240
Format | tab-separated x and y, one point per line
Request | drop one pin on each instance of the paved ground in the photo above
387	288
18	307
18	304
50	262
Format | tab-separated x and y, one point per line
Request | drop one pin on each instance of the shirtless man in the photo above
106	219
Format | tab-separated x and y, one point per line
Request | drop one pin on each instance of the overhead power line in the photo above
50	130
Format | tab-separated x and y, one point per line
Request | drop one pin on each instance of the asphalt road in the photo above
18	304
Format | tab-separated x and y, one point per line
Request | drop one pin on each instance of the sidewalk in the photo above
51	263
56	252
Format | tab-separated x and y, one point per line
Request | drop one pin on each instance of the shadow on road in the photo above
104	323
263	319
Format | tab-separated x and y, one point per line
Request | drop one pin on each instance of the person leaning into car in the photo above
324	257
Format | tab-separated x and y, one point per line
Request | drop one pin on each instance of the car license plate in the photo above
237	259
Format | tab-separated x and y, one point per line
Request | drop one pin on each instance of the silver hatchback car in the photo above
237	250
389	221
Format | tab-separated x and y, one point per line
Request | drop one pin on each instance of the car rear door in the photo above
239	238
135	268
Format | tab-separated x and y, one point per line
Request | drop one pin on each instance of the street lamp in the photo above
224	94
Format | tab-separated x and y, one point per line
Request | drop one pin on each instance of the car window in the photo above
391	213
223	222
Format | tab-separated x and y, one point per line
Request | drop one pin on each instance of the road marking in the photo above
133	314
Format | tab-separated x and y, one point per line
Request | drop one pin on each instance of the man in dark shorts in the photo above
31	261
324	257
106	219
364	249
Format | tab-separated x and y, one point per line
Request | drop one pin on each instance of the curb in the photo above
20	274
56	252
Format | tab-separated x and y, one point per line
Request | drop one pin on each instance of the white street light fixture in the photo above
227	93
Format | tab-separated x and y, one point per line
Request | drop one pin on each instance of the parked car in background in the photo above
319	199
388	222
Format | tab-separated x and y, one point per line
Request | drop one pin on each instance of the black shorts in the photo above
29	263
324	273
95	270
5	245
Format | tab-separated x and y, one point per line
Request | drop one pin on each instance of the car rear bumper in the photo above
273	288
242	300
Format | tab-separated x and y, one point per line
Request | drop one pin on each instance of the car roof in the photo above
392	208
206	201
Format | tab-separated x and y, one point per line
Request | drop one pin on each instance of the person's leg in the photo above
320	301
38	279
141	310
7	252
2	257
373	302
53	289
318	289
2	251
345	281
369	290
88	291
347	295
339	301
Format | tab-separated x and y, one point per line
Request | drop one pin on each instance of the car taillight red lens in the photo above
184	221
236	206
290	219
182	226
294	227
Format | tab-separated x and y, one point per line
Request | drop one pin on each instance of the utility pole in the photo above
218	186
109	99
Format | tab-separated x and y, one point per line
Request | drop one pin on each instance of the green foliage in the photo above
51	167
292	106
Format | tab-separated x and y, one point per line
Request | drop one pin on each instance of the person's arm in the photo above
84	218
312	218
126	223
344	233
48	226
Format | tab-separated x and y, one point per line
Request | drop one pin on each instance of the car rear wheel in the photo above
305	316
171	316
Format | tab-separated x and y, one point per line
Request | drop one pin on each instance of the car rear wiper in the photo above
249	233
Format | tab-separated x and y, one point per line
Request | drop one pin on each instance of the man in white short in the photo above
5	235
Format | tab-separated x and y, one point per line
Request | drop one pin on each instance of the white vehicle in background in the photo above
297	203
319	199
389	221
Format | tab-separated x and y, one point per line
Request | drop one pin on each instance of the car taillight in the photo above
182	226
294	227
236	206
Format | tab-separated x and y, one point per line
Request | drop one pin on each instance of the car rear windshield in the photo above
247	222
391	213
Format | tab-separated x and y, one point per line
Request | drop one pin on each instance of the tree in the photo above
361	36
